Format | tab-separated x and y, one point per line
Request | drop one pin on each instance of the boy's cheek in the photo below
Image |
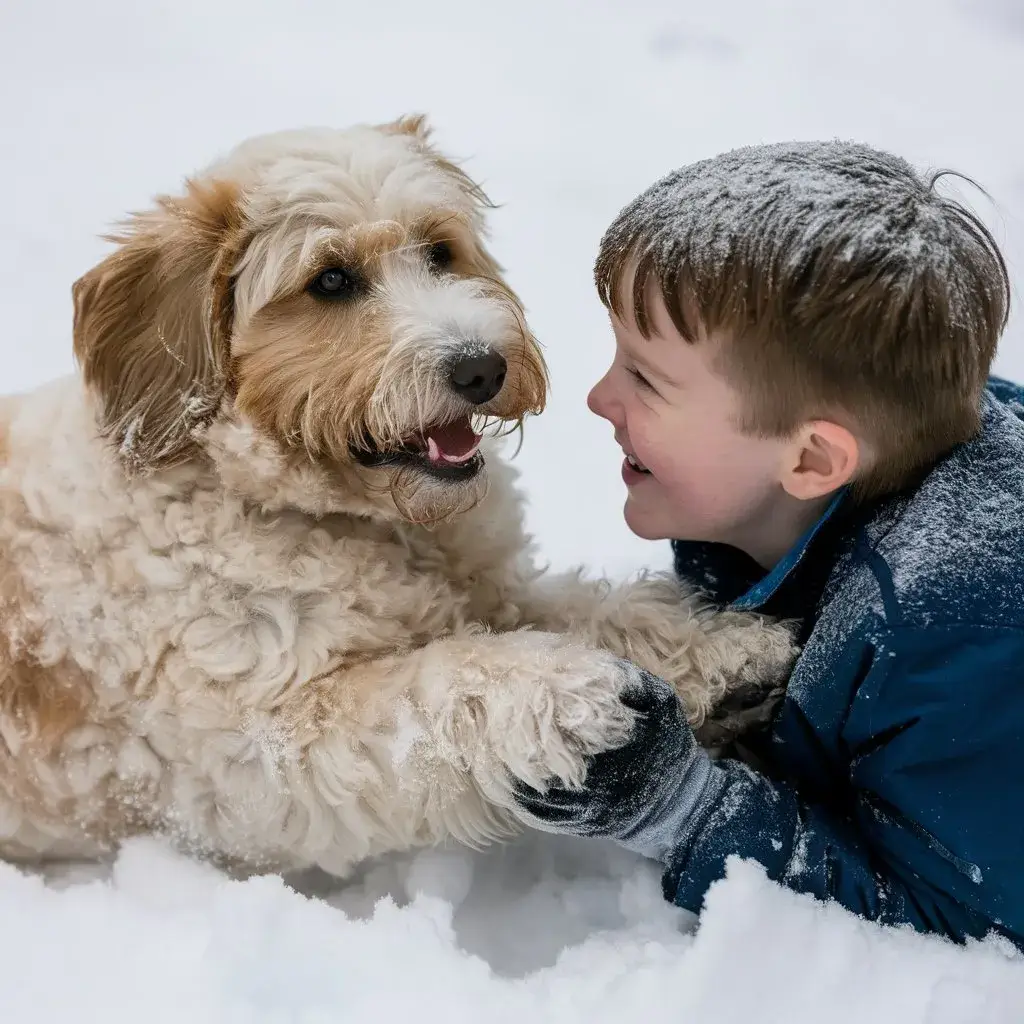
674	465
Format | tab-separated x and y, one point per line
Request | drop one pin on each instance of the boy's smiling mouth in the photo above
635	464
632	467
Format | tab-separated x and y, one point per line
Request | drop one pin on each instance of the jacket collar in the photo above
731	577
758	595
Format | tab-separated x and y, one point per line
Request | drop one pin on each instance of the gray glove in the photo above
641	794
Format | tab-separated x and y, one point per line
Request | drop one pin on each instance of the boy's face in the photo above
690	472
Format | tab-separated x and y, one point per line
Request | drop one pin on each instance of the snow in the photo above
565	111
547	931
792	199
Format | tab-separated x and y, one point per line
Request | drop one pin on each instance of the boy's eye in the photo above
640	378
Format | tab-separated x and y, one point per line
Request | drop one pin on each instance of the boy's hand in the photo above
641	794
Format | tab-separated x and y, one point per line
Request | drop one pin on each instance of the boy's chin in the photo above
645	523
652	522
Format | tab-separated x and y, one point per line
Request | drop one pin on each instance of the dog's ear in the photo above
419	130
409	124
153	320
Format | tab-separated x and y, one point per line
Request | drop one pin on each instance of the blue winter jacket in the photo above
892	779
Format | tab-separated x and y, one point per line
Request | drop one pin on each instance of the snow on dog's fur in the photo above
260	590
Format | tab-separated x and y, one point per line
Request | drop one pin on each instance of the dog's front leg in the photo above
409	749
710	655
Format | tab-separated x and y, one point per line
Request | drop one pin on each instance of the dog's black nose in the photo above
480	376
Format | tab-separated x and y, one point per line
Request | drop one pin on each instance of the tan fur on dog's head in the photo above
209	311
153	320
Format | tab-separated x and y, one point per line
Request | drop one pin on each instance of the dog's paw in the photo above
733	654
553	704
750	650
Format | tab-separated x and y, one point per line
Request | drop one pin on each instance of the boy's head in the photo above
790	319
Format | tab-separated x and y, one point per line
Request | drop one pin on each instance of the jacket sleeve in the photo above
926	826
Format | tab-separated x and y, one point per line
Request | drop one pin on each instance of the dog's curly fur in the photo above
240	603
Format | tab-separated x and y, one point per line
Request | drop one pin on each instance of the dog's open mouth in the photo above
448	451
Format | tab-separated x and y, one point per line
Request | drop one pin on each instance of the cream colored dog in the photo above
261	591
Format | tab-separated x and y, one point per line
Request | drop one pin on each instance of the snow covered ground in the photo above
564	110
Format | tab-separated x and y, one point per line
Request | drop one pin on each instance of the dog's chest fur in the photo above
164	606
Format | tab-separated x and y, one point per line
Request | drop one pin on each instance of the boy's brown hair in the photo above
846	285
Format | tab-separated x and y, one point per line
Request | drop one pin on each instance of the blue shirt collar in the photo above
765	588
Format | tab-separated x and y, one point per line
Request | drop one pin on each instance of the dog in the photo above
265	585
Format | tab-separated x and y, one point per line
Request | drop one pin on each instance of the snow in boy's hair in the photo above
856	203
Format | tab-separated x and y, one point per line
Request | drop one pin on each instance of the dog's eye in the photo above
440	256
335	283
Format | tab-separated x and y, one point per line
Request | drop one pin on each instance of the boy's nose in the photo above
598	399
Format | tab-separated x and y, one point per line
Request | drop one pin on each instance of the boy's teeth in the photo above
636	464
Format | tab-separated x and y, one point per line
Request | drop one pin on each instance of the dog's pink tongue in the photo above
456	442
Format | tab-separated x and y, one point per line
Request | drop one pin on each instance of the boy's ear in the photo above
823	457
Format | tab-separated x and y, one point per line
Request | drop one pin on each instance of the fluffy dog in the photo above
262	589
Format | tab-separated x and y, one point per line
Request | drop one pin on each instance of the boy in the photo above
800	388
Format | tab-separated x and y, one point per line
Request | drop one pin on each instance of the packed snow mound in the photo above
545	929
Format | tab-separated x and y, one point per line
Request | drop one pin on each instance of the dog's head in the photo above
329	290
